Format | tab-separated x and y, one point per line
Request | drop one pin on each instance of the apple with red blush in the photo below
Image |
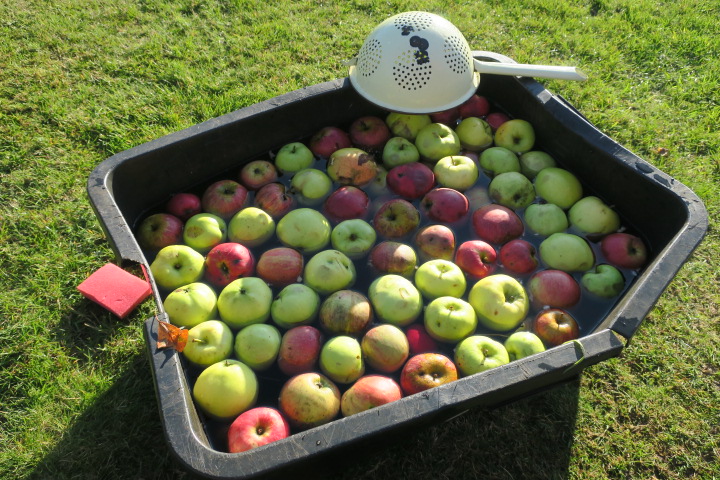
368	392
553	288
393	257
519	256
256	427
184	205
555	326
396	218
280	266
160	230
624	250
435	241
476	258
369	133
328	140
495	119
224	198
300	350
427	370
346	203
275	199
449	117
497	224
258	173
410	180
475	106
419	339
445	205
228	261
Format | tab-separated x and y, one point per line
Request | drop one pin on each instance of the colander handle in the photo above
527	70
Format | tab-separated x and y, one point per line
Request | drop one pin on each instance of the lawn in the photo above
82	80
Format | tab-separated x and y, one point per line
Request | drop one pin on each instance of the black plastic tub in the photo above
124	188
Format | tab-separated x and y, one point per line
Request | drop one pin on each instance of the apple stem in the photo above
198	340
580	347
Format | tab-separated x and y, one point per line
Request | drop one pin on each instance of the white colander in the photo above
418	62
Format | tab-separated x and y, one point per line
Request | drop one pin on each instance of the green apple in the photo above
208	342
478	353
605	281
177	265
456	171
474	134
516	135
245	301
559	186
500	302
533	161
592	216
341	359
406	125
203	231
440	278
191	304
546	218
522	344
296	304
354	237
395	299
312	185
399	151
258	345
567	252
329	271
226	389
251	226
304	229
450	319
436	140
497	160
512	189
294	157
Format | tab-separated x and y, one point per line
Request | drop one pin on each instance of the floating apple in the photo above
519	256
533	161
512	189
280	266
624	250
294	157
329	271
553	288
500	302
407	125
251	226
435	241
191	304
517	135
396	218
476	258
496	224
399	151
351	166
369	392
385	348
395	299
274	199
311	185
225	389
224	198
245	301
449	117
458	172
495	119
435	141
341	359
411	180
256	427
475	134
559	186
308	400
354	237
184	205
546	218
567	252
555	326
208	342
475	106
369	132
439	278
592	217
328	140
450	319
160	230
445	205
296	304
393	257
479	353
427	370
304	229
522	344
257	173
203	231
258	345
299	350
347	202
419	340
497	160
227	262
604	281
177	265
346	312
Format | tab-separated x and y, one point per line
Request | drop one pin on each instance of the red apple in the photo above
256	427
224	198
435	241
184	205
475	106
553	288
368	392
496	119
555	326
410	180
393	257
396	218
258	173
476	258
427	370
327	140
496	224
274	199
160	230
299	350
519	256
347	202
447	117
228	261
369	133
624	250
280	266
445	205
419	340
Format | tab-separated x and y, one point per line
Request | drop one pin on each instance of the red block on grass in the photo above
115	289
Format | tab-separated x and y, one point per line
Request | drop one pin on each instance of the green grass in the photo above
82	80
